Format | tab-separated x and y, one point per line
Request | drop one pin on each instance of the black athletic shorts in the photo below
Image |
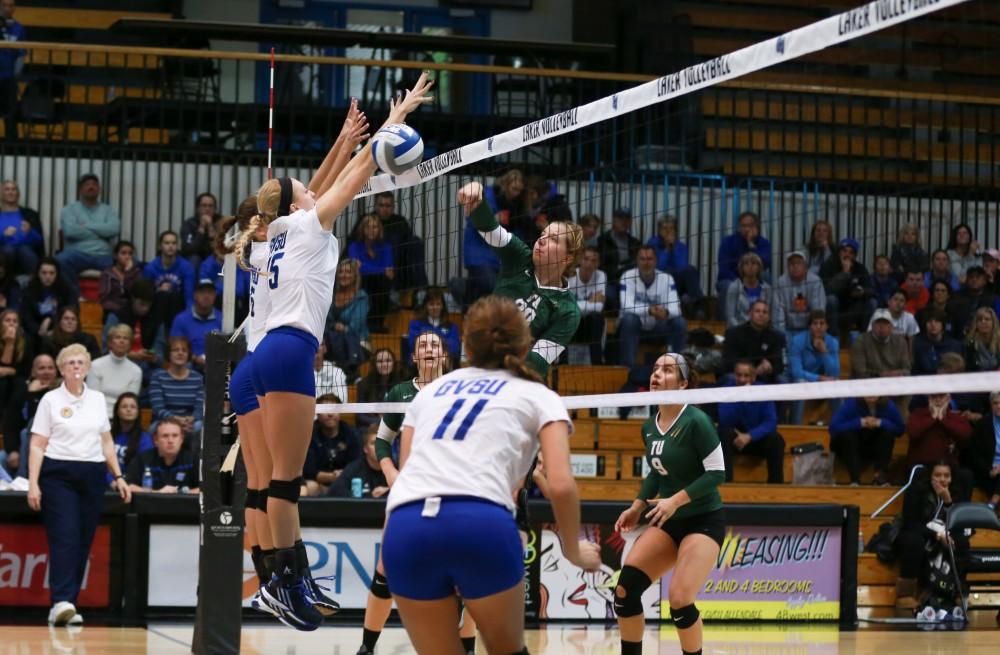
712	524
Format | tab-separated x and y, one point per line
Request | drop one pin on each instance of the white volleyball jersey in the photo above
301	268
475	433
259	298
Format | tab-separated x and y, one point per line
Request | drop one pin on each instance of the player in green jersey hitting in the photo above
430	356
687	525
534	278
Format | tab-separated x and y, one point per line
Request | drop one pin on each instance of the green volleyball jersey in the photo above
551	312
688	456
403	392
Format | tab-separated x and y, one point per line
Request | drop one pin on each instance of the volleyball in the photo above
397	148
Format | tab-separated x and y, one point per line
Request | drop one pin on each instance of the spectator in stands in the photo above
347	323
751	428
329	378
590	224
178	391
67	331
117	280
433	317
982	342
903	322
865	429
963	251
407	247
198	231
618	249
907	253
746	289
195	323
797	296
588	285
917	295
941	270
849	297
884	282
822	245
89	228
972	297
940	302
982	454
20	229
374	254
991	264
382	376
932	342
757	342
46	292
149	338
127	430
16	354
650	308
507	198
172	277
930	497
367	468
20	412
936	432
813	356
10	290
211	269
169	468
481	265
747	239
11	64
672	258
879	352
334	445
544	204
114	374
70	451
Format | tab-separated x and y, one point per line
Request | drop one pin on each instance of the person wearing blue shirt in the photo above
481	265
377	267
813	356
20	231
981	456
672	258
751	428
931	343
11	63
865	428
433	317
733	247
126	430
211	269
198	320
172	277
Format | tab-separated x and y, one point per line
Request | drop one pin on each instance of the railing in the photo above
162	125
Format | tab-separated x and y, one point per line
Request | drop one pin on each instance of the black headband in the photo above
285	204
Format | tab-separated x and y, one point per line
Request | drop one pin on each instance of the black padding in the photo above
632	582
262	500
287	490
250	502
685	617
380	586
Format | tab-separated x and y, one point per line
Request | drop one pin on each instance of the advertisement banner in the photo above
24	567
348	554
776	573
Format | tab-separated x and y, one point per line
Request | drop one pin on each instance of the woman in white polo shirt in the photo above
71	445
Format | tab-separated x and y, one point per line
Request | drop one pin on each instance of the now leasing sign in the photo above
24	567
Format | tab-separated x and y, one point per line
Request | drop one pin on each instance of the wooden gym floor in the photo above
556	639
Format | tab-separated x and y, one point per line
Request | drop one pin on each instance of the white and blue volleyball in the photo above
397	148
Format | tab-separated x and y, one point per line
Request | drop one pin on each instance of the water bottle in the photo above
356	489
147	479
366	490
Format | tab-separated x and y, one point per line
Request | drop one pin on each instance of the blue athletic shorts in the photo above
471	546
242	396
283	361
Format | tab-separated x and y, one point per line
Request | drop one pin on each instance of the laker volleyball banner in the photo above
772	573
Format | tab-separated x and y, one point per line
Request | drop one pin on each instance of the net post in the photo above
218	616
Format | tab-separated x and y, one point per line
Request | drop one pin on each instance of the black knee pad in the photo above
523	651
685	617
380	586
250	502
287	490
262	500
632	582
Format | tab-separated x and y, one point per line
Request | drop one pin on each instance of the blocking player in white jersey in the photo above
468	440
300	271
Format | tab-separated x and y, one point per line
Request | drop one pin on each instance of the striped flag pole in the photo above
270	118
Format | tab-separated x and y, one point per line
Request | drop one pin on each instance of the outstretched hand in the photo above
400	108
355	128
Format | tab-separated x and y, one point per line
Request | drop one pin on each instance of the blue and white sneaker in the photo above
323	603
291	604
257	603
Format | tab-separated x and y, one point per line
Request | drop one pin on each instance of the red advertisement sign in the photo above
24	567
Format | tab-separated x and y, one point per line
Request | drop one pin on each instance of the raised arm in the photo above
353	132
